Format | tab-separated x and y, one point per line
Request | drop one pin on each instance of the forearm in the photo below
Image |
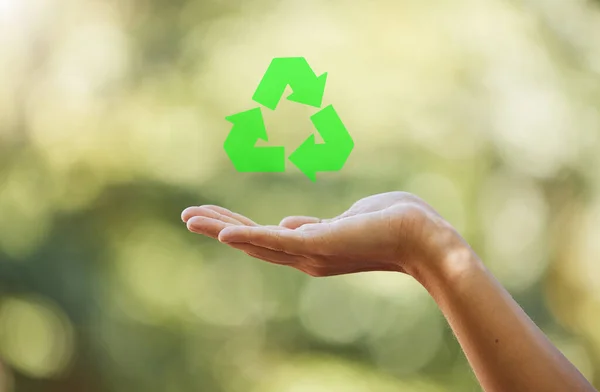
506	350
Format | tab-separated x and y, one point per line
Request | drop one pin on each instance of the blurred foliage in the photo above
112	122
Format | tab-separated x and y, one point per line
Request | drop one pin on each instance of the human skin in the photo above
398	232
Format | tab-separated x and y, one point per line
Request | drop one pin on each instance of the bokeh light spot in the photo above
35	337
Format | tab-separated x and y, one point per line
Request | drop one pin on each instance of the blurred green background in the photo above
112	122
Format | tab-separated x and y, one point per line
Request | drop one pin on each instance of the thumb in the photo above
294	222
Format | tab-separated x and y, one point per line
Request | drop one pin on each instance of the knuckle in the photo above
277	241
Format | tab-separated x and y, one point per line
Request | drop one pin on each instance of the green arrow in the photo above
307	88
311	157
248	127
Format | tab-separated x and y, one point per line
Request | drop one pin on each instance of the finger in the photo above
288	241
207	226
209	213
273	227
267	254
293	222
239	217
189	213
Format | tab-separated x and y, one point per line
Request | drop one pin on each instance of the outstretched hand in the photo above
392	231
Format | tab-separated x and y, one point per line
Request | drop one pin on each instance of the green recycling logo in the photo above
311	157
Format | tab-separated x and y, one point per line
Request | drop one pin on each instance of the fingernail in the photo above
191	222
225	235
183	214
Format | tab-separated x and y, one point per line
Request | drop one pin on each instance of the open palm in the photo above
381	232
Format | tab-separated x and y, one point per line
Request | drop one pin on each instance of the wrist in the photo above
445	270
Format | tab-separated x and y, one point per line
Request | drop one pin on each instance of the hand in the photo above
397	231
393	231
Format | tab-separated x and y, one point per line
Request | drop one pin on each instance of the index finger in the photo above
190	212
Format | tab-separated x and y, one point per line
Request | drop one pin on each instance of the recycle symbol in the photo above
310	157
